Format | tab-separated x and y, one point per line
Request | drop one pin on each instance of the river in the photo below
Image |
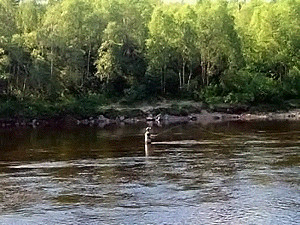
225	173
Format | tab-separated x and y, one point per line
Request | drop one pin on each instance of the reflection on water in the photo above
231	173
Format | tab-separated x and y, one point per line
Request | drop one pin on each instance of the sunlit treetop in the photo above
181	1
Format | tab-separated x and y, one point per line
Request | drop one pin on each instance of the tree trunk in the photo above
165	69
207	73
189	79
203	73
24	87
183	73
88	61
180	85
51	60
51	63
162	80
18	72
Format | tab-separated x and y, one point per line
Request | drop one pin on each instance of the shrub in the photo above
249	87
291	84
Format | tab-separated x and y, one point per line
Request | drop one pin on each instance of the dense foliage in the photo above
132	50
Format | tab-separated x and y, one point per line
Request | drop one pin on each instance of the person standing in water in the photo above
148	141
148	136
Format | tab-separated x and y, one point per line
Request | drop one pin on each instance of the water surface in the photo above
229	173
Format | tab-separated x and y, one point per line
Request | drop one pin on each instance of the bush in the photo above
247	87
10	108
83	107
291	84
212	94
135	94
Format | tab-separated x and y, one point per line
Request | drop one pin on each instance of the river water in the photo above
225	173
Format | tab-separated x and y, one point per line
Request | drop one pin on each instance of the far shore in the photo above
161	114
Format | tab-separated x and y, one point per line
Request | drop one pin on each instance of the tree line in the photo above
134	50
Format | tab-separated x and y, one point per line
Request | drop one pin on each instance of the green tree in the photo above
7	29
7	18
159	50
269	32
72	34
28	16
218	42
124	41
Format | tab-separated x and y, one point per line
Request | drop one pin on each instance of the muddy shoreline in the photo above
149	115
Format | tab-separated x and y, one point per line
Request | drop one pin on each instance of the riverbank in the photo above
159	114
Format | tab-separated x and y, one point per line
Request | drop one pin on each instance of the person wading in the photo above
148	141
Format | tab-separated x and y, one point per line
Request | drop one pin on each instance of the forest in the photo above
75	54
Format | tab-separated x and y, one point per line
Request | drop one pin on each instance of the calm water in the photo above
231	173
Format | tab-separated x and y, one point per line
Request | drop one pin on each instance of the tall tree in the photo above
72	31
218	42
7	18
124	40
269	32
